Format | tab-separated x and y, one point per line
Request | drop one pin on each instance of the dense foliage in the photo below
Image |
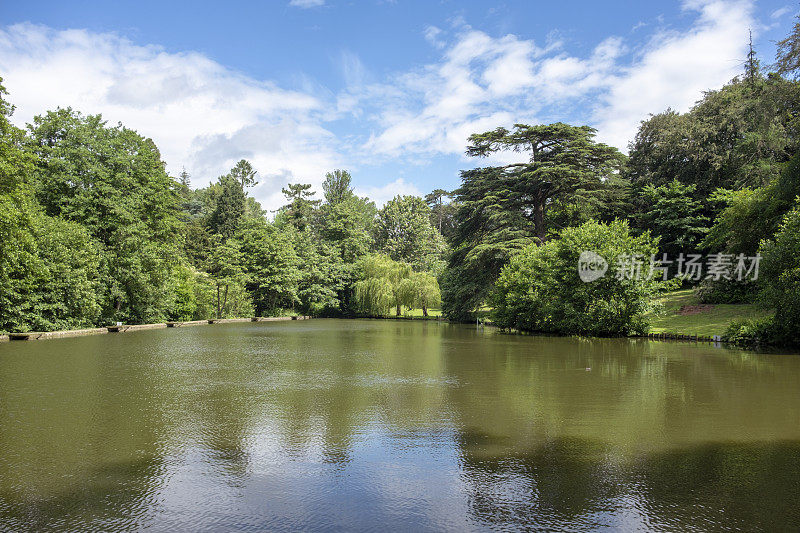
503	209
781	278
540	290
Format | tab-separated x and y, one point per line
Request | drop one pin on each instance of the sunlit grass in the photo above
418	312
709	322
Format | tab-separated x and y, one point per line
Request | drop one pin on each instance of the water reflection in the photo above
375	424
569	484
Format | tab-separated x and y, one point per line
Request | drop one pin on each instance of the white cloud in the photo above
675	68
205	117
201	115
439	105
482	82
382	194
353	69
778	13
432	34
305	4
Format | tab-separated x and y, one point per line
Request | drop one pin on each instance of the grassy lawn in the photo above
707	322
418	312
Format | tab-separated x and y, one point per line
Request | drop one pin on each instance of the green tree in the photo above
737	136
787	54
185	179
753	215
18	259
565	162
348	226
489	230
111	181
672	213
420	291
301	207
271	265
244	173
48	266
503	209
66	294
344	224
780	278
380	285
229	208
540	288
53	281
336	187
442	212
434	200
184	291
321	275
225	268
403	231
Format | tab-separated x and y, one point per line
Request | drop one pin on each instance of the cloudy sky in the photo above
387	89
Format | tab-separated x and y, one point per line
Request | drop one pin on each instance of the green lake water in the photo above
394	425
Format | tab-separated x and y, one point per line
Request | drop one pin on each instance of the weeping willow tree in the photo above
420	291
380	285
373	296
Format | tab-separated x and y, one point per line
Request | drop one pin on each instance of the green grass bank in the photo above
683	314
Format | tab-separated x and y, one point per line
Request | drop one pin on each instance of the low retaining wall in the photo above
134	327
679	337
41	335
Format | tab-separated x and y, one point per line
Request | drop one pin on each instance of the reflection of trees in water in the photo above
116	496
542	439
546	443
83	432
326	391
556	483
746	486
576	484
637	395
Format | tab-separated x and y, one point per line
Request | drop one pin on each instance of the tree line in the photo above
93	229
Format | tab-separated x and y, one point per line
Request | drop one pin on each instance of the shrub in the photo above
540	289
752	333
726	291
780	276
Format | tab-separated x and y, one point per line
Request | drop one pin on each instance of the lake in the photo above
387	425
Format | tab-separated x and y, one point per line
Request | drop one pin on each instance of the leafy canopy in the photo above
540	289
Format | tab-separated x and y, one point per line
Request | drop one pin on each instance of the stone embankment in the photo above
42	335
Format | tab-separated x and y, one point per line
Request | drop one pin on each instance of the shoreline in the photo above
60	334
65	333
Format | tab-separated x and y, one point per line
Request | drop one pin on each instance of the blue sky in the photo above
387	89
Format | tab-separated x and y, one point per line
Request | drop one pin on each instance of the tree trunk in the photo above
538	221
218	301
424	311
398	309
225	300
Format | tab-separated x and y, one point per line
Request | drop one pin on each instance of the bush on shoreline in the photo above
540	289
